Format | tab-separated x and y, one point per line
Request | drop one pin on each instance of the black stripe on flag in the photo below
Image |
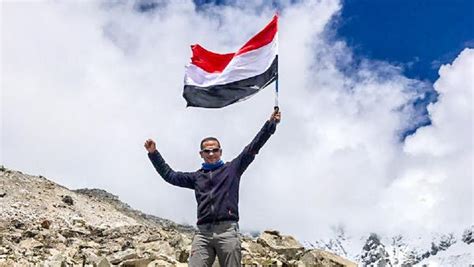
218	96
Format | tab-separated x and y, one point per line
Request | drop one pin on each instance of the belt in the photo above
217	223
208	226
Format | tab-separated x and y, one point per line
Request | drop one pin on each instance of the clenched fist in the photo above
150	146
276	116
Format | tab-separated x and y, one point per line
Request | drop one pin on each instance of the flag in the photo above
215	80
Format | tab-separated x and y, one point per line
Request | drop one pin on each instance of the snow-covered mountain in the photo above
452	249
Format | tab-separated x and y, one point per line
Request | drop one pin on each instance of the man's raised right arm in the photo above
182	179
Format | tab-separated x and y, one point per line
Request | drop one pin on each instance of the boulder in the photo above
162	247
17	224
182	255
30	233
3	250
78	221
46	224
163	261
103	263
254	248
120	256
321	258
136	263
68	200
287	246
89	256
30	244
57	260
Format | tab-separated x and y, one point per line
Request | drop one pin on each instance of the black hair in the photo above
210	138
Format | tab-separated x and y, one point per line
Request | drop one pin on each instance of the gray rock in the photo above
17	224
182	255
103	263
68	200
30	233
46	224
136	263
122	256
78	221
467	236
3	250
316	257
30	244
288	246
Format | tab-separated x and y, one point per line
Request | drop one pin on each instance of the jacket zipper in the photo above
212	199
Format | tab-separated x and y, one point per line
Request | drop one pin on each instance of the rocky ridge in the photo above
46	224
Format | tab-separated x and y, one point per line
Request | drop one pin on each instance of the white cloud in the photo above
437	179
84	84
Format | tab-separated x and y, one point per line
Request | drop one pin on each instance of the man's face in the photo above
211	152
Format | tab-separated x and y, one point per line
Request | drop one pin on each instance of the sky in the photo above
407	33
84	84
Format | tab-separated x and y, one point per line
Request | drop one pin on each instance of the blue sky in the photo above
417	35
420	35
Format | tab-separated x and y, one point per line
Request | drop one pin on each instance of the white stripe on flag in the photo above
241	67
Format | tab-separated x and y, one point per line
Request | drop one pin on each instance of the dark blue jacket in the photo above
217	191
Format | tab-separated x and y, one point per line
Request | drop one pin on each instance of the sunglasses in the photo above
208	151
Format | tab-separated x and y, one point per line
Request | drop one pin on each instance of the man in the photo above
216	187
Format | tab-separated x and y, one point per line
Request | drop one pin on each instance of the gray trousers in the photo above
211	240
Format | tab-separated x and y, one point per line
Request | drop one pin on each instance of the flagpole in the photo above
276	108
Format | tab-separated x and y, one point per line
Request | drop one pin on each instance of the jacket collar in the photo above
212	166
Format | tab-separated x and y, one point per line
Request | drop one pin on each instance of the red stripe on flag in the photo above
213	62
209	61
262	38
